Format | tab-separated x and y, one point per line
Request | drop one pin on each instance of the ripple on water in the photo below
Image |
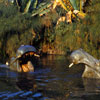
37	95
26	93
11	95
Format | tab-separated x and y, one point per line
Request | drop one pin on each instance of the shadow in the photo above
91	85
85	89
26	82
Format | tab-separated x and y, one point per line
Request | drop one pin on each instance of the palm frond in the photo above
27	6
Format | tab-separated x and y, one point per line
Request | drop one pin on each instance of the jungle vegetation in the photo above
17	28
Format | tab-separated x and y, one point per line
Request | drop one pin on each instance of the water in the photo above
52	80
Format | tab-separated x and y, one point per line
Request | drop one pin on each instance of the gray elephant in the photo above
23	62
92	65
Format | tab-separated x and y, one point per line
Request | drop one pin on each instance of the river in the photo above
52	80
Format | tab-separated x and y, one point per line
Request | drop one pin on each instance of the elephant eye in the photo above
80	58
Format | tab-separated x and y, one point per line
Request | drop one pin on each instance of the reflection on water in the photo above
52	80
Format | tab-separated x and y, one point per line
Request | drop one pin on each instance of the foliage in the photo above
81	34
16	29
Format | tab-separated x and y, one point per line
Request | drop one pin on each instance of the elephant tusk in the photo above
36	55
71	65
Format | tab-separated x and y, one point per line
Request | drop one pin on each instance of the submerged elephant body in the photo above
92	65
